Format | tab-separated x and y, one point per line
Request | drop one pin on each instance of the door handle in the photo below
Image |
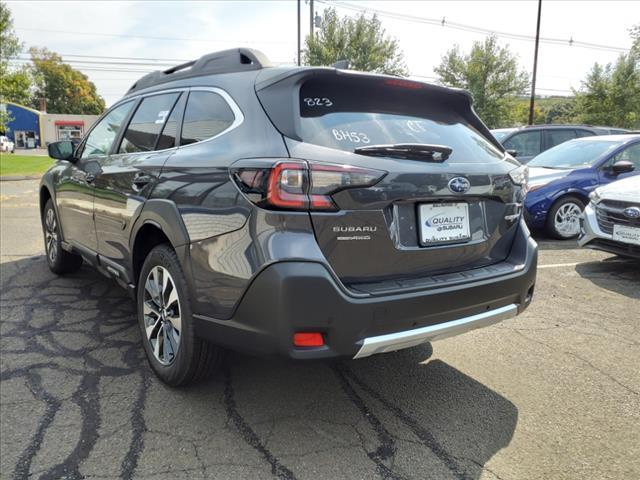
140	181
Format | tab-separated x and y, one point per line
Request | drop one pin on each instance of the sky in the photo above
166	33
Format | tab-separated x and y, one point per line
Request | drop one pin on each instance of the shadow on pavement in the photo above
397	415
614	274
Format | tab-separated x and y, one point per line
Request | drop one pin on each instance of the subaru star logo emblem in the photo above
632	212
459	185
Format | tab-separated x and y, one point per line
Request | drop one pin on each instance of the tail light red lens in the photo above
301	185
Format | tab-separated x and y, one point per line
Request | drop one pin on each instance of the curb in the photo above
16	178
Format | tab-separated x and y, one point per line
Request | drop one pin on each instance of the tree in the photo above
14	84
361	41
491	74
610	95
65	89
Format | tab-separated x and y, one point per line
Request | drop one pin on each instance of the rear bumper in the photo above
592	236
289	297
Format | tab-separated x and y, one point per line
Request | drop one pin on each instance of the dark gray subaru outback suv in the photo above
310	212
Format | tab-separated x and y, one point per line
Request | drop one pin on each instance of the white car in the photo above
6	145
611	221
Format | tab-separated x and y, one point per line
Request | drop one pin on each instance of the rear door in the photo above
130	171
426	215
527	144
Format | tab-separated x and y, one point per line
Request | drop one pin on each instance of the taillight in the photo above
300	185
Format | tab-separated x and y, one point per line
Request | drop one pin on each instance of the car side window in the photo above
147	122
558	136
207	114
525	143
629	154
170	130
584	133
102	136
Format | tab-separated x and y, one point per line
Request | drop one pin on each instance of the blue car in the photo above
560	179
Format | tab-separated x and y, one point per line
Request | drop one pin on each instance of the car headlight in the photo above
535	186
520	176
595	196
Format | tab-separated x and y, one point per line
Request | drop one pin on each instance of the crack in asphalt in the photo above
422	433
383	456
248	434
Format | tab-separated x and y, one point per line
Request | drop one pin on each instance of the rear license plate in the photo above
444	223
622	233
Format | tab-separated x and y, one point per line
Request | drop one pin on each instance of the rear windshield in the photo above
346	115
574	153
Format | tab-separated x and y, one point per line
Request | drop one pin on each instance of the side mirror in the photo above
512	152
62	150
622	166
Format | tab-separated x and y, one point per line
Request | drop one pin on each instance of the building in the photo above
30	128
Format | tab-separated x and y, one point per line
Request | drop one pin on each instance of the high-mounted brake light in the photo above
301	185
399	82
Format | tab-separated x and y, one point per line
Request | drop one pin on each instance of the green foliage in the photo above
610	95
492	75
361	40
14	84
65	89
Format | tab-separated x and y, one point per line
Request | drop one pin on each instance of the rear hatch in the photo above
446	203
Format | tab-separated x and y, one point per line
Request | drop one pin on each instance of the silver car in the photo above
611	221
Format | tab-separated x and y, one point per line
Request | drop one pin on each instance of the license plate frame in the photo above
626	234
435	220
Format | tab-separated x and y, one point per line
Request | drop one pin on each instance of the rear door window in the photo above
170	130
558	136
207	115
527	144
345	115
584	133
147	122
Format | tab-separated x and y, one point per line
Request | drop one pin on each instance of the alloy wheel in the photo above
51	235
567	220
162	315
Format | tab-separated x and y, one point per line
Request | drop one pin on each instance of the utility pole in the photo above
535	67
298	32
311	20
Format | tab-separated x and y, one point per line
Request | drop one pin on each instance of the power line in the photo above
443	22
146	37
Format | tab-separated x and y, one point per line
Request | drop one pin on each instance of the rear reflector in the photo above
308	339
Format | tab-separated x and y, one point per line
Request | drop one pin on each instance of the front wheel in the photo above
174	352
59	260
563	221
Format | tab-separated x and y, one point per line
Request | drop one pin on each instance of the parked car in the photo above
308	212
6	145
611	221
527	142
561	179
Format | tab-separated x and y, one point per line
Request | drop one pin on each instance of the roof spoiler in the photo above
226	61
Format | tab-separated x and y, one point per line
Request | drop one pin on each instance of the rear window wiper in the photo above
409	151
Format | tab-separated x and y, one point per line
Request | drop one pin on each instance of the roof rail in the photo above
226	61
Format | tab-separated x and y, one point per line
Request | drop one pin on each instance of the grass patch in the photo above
12	164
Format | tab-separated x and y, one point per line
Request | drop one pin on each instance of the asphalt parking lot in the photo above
554	393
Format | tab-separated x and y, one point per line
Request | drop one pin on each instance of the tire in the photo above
563	220
174	352
60	261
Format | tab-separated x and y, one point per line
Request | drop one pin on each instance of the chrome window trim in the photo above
235	109
237	113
